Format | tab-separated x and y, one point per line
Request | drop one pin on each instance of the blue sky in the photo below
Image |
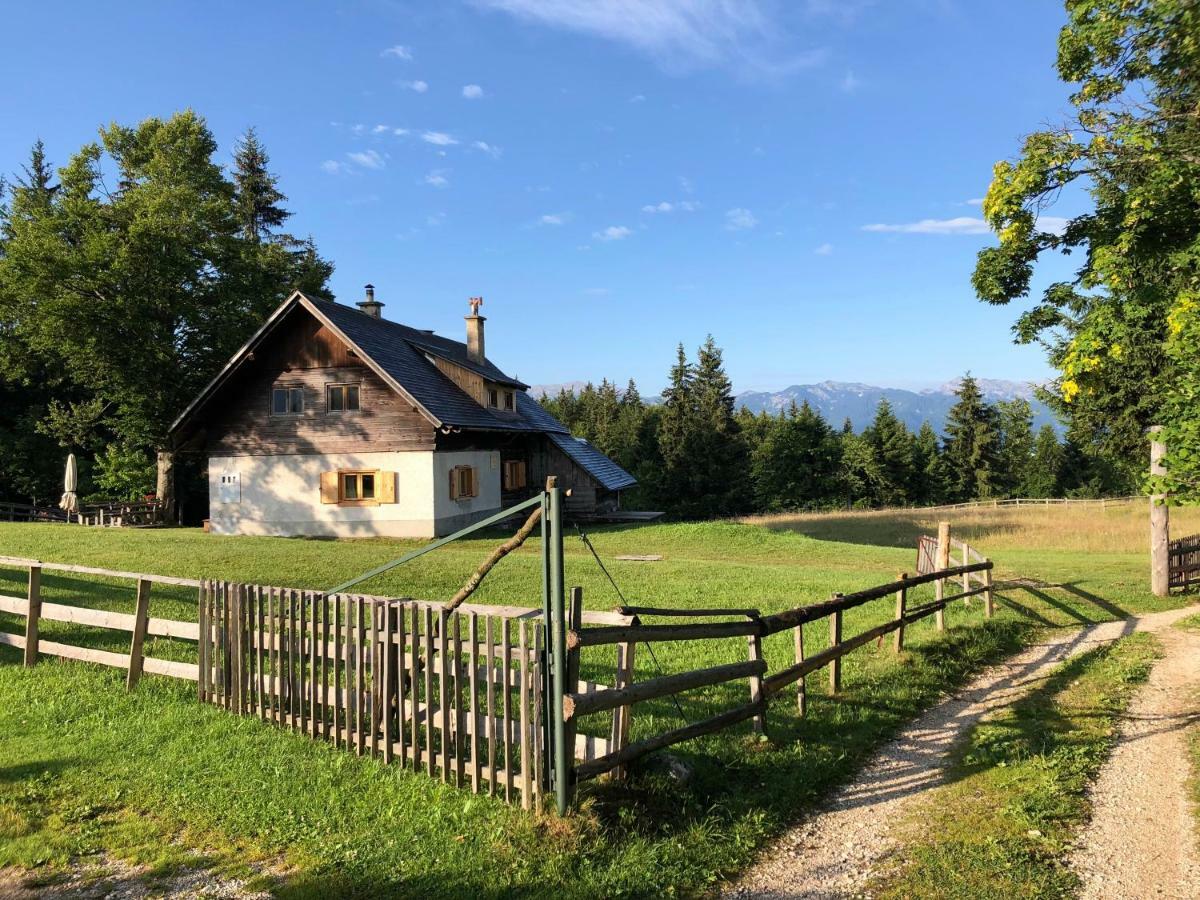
798	178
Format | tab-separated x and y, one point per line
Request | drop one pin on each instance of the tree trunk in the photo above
165	488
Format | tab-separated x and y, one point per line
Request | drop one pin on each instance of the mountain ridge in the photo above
839	400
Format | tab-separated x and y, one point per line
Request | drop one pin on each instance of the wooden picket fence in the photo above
458	695
1183	561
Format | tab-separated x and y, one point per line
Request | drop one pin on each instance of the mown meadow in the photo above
156	778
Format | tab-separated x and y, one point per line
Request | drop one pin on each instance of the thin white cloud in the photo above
975	201
957	225
613	233
679	34
437	178
556	219
399	52
824	249
490	149
438	138
739	219
380	129
685	185
435	219
399	132
333	167
667	206
472	92
638	98
850	83
419	86
368	159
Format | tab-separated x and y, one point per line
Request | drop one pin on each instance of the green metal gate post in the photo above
563	755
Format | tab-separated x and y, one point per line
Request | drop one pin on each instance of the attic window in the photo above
287	401
509	401
342	397
494	398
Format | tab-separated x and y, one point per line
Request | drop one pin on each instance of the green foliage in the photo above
892	444
128	284
125	473
1046	465
1134	147
794	460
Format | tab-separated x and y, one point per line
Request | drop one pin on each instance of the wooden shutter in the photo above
474	481
454	483
329	487
387	486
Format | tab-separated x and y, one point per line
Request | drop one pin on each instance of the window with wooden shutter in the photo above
329	487
464	482
514	474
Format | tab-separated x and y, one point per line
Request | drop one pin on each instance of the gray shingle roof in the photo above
595	463
400	351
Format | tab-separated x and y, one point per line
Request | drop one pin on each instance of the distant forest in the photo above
695	456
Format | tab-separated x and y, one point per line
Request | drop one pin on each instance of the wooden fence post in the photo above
1160	536
835	638
901	604
570	687
32	614
989	601
756	683
141	619
623	715
801	687
966	578
943	562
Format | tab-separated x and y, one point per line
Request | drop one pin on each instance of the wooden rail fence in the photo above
139	624
974	575
137	515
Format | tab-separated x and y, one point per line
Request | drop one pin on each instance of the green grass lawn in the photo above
84	766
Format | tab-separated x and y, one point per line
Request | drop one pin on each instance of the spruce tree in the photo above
257	197
1016	445
929	477
1045	469
892	445
972	445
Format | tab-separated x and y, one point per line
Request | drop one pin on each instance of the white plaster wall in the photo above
452	515
281	495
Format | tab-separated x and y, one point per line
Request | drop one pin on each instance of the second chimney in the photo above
370	305
475	332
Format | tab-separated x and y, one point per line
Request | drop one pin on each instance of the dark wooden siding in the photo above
306	355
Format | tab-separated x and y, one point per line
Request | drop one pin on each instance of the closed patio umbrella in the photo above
69	501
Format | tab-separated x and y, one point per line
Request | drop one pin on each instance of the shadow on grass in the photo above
28	770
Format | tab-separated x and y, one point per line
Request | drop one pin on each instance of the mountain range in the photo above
839	400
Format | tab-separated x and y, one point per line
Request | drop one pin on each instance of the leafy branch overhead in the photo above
1117	331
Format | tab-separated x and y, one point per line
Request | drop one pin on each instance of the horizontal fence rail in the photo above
139	624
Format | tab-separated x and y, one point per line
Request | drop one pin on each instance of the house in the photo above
334	421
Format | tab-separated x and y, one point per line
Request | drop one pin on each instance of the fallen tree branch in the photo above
498	554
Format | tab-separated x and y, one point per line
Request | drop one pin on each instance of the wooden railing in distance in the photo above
454	694
139	624
755	628
25	512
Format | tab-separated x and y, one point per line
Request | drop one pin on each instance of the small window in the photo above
342	397
514	474
357	486
463	483
287	401
509	401
494	398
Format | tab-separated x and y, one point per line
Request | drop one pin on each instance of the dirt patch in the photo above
112	879
1141	840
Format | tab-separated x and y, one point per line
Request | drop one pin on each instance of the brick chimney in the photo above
370	305
475	332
